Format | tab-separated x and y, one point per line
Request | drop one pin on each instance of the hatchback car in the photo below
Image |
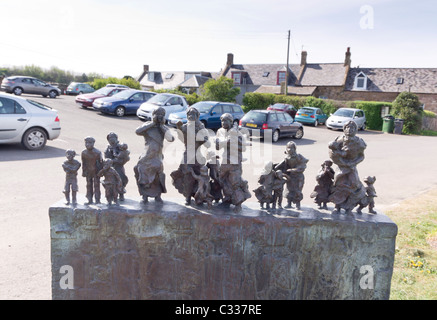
123	103
290	109
343	115
27	122
79	88
170	102
19	84
280	124
311	115
86	100
210	113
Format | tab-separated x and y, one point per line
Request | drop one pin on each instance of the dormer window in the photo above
360	82
399	80
266	74
151	76
281	77
236	76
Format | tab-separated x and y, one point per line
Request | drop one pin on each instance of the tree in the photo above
221	89
408	107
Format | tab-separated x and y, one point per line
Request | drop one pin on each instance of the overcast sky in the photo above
116	38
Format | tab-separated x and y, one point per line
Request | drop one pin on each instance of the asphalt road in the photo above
31	182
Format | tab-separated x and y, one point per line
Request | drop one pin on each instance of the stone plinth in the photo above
171	251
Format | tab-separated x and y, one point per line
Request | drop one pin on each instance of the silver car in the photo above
20	84
28	122
343	115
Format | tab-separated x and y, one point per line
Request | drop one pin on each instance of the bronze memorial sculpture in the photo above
71	166
112	183
149	172
185	177
347	152
230	140
322	190
119	154
91	165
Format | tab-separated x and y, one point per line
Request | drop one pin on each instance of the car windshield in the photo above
203	107
278	106
159	99
306	110
39	105
344	113
255	116
124	94
104	91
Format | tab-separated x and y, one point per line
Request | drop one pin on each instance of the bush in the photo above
221	89
253	100
372	110
408	107
102	82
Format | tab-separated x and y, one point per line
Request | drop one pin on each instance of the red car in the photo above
86	100
291	110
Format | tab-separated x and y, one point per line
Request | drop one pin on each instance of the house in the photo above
189	81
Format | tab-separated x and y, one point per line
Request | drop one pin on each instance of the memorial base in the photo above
173	251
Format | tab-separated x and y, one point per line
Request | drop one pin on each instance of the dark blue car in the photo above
210	113
124	102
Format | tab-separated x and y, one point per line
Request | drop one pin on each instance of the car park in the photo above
210	113
311	115
280	124
79	88
86	100
290	109
125	102
27	122
20	84
343	115
170	102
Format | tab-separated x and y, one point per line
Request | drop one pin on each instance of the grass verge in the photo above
415	267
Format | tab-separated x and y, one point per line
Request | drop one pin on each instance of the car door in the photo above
359	118
13	119
320	116
292	124
39	87
134	102
27	85
214	117
284	125
174	104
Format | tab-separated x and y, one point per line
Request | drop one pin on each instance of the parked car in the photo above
19	85
27	122
343	115
170	102
86	100
125	102
290	109
79	88
281	124
210	113
117	85
311	115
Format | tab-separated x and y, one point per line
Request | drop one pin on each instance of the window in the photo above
266	74
227	109
237	77
360	81
281	117
399	80
169	76
217	110
236	109
137	97
281	76
288	117
175	101
8	106
273	117
151	76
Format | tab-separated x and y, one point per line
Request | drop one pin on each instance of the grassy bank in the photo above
415	268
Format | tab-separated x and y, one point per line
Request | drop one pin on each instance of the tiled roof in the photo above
323	74
417	80
264	74
171	79
194	82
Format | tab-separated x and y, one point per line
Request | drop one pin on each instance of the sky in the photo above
117	38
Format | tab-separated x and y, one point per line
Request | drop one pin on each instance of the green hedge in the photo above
372	109
100	83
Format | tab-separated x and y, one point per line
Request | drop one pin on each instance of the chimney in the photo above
146	68
347	59
303	58
230	60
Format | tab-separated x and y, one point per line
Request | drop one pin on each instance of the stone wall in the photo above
171	251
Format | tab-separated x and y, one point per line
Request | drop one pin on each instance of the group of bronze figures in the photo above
209	178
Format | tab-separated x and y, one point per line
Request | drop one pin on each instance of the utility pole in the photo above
286	73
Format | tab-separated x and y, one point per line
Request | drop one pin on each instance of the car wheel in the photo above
363	127
316	123
275	136
299	134
17	91
119	111
53	94
34	139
